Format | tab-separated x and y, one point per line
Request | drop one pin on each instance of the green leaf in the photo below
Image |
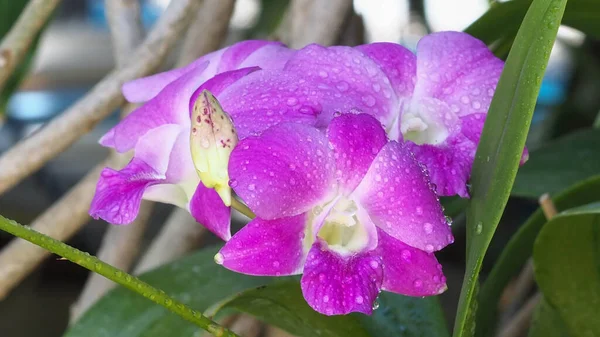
282	304
547	322
196	280
502	143
559	164
403	316
502	20
566	256
520	248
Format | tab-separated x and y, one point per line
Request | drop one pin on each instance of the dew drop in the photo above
406	254
418	283
233	183
369	100
479	228
342	86
428	228
251	187
359	299
375	305
292	101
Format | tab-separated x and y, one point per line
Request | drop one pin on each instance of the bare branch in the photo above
32	153
18	40
315	21
126	28
121	244
207	31
20	257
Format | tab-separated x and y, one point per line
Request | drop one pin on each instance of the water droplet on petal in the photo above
251	187
233	183
428	228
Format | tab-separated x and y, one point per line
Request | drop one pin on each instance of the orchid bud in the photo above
212	139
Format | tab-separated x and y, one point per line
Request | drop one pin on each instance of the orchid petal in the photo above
283	172
398	63
337	285
353	79
396	194
264	54
257	101
208	209
119	193
169	107
409	271
356	139
266	247
457	69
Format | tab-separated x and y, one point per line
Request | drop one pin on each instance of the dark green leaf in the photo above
566	256
503	19
197	281
547	322
282	304
520	248
403	316
502	142
559	164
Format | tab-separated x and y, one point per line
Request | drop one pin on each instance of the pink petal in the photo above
283	172
396	194
209	210
266	247
457	69
409	271
264	54
337	285
220	82
397	62
354	80
169	107
119	193
356	139
266	98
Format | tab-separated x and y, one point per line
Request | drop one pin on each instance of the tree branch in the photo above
32	153
16	43
121	244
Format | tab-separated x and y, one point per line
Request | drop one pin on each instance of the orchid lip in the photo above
418	126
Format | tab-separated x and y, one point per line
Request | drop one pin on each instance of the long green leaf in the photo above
566	256
503	19
520	248
552	168
502	142
282	304
197	281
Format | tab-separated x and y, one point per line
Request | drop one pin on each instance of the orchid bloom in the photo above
436	101
158	132
352	211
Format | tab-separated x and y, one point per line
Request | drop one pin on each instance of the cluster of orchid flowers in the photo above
340	152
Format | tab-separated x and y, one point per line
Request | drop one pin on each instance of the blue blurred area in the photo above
150	12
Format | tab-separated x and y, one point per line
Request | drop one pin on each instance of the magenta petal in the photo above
458	69
266	247
266	98
119	193
356	139
396	194
237	54
169	107
338	285
209	210
353	79
397	62
283	172
409	271
220	82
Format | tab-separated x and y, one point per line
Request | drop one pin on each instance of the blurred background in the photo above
74	52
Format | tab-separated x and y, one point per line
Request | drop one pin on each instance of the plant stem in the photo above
128	281
242	208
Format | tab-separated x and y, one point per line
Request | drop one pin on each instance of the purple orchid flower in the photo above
159	133
436	101
352	211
